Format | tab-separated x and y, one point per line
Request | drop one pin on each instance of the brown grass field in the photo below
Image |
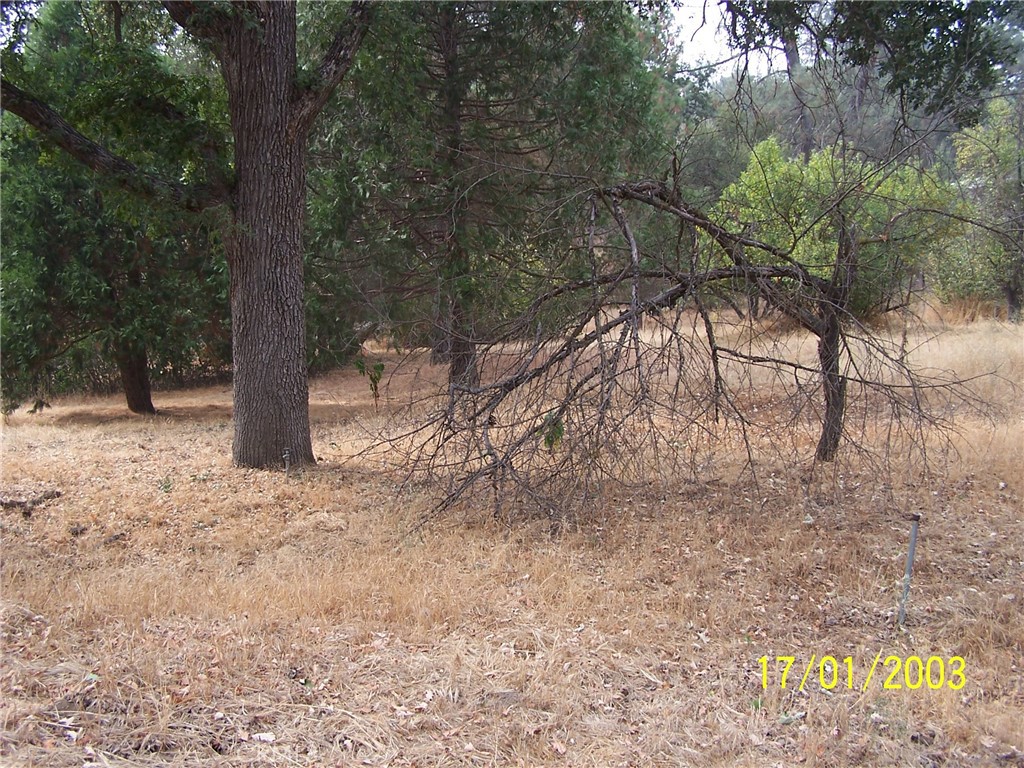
169	609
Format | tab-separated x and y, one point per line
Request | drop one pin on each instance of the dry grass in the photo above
168	609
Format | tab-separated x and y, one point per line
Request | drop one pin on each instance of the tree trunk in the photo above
754	303
457	303
264	246
1014	290
462	370
862	84
440	337
271	115
1013	303
830	340
829	356
133	366
804	125
452	337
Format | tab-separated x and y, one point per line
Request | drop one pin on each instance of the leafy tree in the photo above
90	279
476	124
860	230
797	207
940	57
273	102
990	164
86	267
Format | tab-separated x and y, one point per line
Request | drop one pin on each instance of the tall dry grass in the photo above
168	609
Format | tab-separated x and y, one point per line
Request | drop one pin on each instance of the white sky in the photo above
699	31
702	39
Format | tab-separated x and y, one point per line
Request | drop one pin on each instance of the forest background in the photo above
449	178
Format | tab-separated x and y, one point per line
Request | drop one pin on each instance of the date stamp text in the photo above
893	673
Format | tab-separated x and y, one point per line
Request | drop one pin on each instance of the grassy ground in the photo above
168	609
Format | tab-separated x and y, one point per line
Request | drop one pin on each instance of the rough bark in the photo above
270	120
264	246
462	369
335	64
133	366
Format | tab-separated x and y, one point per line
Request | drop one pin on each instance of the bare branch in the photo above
596	401
661	197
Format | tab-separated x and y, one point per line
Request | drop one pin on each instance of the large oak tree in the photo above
272	104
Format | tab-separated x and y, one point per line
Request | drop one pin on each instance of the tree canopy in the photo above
93	274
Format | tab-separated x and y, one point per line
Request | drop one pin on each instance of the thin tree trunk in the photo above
1013	285
463	369
462	363
805	126
264	246
861	86
133	366
829	357
118	11
1014	290
830	341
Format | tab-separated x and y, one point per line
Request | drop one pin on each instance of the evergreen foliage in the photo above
95	283
453	185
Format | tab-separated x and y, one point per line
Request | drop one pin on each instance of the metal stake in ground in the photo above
915	520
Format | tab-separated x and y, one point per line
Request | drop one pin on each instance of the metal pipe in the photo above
915	521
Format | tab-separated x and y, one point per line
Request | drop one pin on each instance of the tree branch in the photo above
127	175
335	64
203	20
659	196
